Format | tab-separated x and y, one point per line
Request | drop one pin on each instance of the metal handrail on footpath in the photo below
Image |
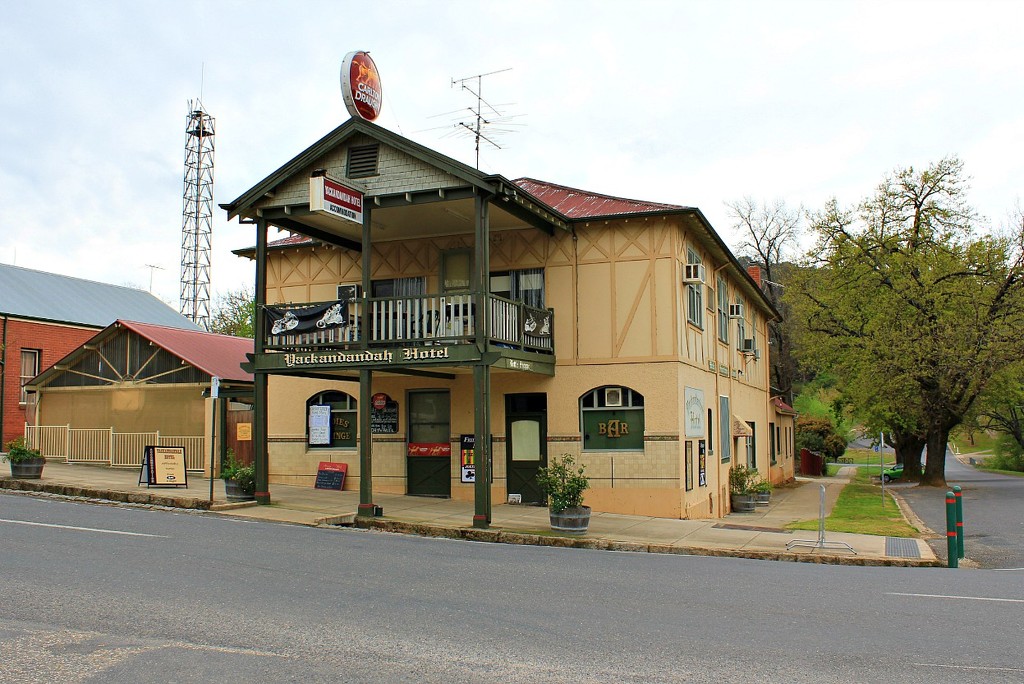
820	543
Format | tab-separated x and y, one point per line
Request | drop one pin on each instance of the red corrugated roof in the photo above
220	355
782	406
577	204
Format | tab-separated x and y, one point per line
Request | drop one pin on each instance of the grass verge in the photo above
860	510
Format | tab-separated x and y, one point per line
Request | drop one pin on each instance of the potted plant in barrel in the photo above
239	479
564	483
742	483
762	492
26	463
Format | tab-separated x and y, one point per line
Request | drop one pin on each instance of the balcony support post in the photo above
481	286
261	459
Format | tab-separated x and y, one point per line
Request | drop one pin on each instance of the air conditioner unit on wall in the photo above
613	396
349	291
747	346
694	273
735	311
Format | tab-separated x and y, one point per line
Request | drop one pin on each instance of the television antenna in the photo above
152	267
484	114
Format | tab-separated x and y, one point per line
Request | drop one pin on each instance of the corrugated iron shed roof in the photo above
579	204
220	355
52	297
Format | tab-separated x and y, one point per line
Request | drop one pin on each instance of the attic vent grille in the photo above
362	160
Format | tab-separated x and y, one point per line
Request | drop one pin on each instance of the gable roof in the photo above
219	355
782	407
59	298
245	202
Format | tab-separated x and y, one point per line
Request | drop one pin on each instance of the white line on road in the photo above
971	667
82	529
964	598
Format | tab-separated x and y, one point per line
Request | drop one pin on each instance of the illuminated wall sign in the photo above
331	198
360	86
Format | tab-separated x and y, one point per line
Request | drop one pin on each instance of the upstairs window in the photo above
524	285
723	311
694	294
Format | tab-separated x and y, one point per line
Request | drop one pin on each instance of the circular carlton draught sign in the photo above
360	85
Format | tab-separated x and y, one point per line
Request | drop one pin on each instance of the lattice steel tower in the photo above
196	226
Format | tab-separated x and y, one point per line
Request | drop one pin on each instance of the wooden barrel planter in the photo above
573	521
32	469
763	498
743	503
233	491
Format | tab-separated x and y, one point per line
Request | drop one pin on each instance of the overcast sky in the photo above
692	103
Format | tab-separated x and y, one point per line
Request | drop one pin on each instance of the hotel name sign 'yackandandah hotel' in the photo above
529	318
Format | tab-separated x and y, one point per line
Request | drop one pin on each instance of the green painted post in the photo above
959	521
951	530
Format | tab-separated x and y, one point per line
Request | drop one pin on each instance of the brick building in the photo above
45	316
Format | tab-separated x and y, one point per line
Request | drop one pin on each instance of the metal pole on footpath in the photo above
951	547
959	521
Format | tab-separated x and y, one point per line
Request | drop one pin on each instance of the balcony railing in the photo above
400	321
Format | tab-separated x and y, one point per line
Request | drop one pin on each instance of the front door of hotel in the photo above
526	430
429	453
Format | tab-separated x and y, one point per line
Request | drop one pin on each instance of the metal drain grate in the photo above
900	547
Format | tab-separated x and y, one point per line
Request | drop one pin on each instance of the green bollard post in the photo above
951	530
959	521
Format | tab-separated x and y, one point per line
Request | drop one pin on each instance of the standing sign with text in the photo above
163	466
331	475
468	457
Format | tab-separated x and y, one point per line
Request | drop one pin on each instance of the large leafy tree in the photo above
1001	407
234	313
911	306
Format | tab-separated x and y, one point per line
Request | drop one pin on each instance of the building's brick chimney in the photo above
754	271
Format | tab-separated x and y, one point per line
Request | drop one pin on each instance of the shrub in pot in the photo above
763	492
564	483
742	481
239	479
26	463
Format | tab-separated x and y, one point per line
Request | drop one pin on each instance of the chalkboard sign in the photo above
383	415
331	475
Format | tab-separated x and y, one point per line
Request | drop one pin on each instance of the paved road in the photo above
93	593
993	514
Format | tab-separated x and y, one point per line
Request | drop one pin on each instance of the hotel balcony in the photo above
409	321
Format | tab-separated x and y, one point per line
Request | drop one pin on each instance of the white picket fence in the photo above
107	447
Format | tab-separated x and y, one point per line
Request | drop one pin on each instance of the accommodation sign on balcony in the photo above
331	198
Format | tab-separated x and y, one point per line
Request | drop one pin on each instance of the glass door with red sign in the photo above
429	451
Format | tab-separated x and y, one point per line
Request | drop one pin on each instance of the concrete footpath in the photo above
758	535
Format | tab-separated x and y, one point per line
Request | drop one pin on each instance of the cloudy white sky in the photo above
694	103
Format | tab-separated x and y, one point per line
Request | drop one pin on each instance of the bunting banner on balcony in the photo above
302	319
